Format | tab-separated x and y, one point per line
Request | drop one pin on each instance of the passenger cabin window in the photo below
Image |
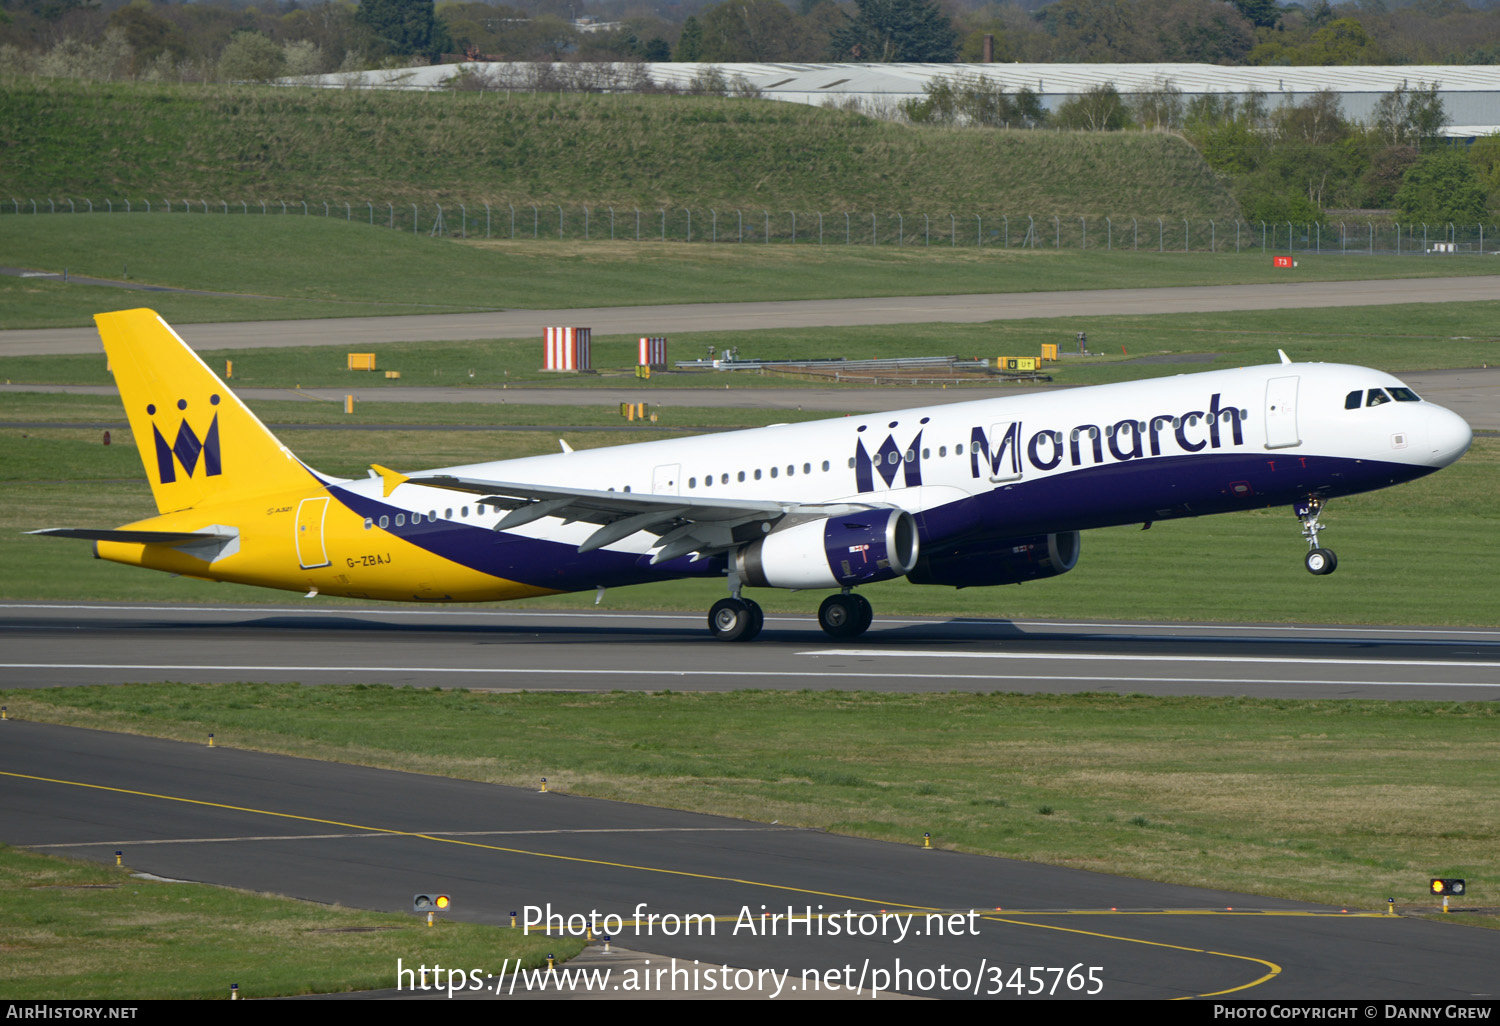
1354	399
1377	396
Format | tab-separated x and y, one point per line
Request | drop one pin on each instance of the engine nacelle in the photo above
834	552
989	563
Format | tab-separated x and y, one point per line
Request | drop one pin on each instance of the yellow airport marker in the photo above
119	856
210	740
544	785
926	842
234	992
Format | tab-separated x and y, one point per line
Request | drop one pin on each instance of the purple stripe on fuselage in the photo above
1160	488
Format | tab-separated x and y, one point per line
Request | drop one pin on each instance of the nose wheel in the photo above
1319	561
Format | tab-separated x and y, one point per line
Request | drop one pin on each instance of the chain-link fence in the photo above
759	226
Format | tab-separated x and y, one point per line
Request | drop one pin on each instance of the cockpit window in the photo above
1355	399
1405	395
1377	396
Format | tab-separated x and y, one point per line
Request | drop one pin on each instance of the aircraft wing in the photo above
682	524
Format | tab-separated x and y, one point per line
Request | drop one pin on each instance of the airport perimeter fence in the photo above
741	226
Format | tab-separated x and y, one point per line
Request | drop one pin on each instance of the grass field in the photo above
72	930
1328	801
306	267
1393	338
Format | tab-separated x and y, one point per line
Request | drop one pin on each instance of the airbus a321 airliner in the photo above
989	492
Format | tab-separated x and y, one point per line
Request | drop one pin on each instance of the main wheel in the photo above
757	620
731	619
844	616
1321	561
866	613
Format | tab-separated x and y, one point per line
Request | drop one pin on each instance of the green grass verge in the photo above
1393	338
1328	801
307	267
72	930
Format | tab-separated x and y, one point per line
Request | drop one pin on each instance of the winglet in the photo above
1284	358
391	478
565	446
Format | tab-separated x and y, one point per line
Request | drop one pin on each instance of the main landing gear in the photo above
736	619
1319	561
846	615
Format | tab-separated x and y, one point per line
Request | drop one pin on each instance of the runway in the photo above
371	838
677	318
509	648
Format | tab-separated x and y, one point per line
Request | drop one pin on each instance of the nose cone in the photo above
1448	436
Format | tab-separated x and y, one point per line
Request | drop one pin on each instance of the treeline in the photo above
219	39
1293	162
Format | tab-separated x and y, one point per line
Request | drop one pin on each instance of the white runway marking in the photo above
696	618
1106	657
753	674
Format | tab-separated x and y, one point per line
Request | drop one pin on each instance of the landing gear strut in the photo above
1319	561
845	616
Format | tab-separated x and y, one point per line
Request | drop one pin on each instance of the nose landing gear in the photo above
1319	561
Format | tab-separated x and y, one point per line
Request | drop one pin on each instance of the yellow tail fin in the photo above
197	440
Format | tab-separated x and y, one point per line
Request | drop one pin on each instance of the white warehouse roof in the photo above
1470	93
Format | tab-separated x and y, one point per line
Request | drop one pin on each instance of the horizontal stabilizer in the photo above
211	544
135	537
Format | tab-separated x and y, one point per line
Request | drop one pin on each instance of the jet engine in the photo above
989	563
832	552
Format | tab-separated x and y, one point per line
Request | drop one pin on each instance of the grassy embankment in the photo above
239	142
1328	801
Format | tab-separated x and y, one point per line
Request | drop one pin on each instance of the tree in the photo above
403	27
690	43
749	30
1098	110
1260	13
973	100
251	57
1408	116
1159	107
886	31
1440	187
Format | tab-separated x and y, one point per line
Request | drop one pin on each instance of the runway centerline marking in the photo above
621	865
